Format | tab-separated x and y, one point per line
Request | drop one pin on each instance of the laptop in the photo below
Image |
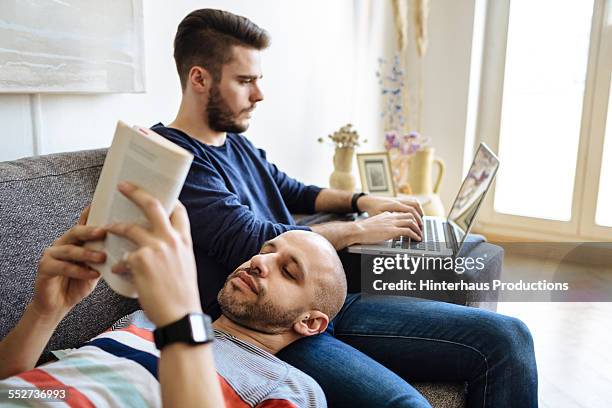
444	237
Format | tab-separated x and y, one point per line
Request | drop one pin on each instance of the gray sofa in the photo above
41	197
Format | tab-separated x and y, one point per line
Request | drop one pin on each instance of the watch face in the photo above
198	331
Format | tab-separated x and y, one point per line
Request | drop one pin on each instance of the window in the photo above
603	216
543	69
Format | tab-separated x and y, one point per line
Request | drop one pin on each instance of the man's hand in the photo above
163	267
389	218
63	278
387	225
371	230
376	205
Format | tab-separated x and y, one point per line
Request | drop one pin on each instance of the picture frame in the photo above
375	173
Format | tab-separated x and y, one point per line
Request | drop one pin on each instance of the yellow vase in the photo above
342	178
420	177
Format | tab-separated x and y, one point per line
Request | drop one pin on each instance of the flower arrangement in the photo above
400	143
345	137
406	144
345	140
392	89
393	112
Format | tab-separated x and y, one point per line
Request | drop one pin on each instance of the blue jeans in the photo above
377	345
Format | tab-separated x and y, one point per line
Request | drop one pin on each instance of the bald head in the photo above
295	276
330	282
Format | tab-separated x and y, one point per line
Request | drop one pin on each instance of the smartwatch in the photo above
194	328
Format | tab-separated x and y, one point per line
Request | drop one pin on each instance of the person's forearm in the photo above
188	377
340	234
22	347
332	200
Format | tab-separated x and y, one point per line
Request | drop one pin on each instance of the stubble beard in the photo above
261	316
220	116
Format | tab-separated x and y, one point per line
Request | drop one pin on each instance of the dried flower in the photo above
392	89
391	81
345	137
406	144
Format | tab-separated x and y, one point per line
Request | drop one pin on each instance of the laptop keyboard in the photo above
430	242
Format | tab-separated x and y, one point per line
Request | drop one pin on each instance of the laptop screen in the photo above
472	192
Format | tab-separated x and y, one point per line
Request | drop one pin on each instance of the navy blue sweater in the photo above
236	201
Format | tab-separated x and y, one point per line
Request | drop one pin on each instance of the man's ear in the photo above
311	323
199	79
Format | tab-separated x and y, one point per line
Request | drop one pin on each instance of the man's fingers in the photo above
81	233
409	223
404	216
137	263
133	232
414	204
151	207
180	221
121	268
415	213
84	215
68	269
73	253
405	208
408	232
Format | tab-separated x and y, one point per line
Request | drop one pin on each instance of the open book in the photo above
146	159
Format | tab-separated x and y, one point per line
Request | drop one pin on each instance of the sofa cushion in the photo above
40	198
443	395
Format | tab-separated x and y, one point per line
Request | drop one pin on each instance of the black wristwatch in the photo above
356	197
194	328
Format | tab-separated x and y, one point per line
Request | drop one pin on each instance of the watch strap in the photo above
354	199
181	331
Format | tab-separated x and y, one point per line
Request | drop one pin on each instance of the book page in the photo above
148	164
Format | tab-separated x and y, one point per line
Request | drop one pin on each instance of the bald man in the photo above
289	290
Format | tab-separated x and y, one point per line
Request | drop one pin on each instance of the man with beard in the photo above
237	200
289	290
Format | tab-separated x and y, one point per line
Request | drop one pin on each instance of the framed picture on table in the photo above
375	173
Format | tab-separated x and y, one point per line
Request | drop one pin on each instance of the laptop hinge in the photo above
450	236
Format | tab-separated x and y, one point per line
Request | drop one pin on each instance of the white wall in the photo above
310	84
318	75
16	136
446	86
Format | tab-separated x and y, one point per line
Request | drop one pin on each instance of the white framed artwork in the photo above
375	173
71	46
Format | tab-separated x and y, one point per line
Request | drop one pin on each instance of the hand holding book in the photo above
145	159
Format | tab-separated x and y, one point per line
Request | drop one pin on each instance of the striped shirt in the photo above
118	368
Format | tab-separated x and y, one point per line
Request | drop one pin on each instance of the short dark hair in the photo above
206	37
